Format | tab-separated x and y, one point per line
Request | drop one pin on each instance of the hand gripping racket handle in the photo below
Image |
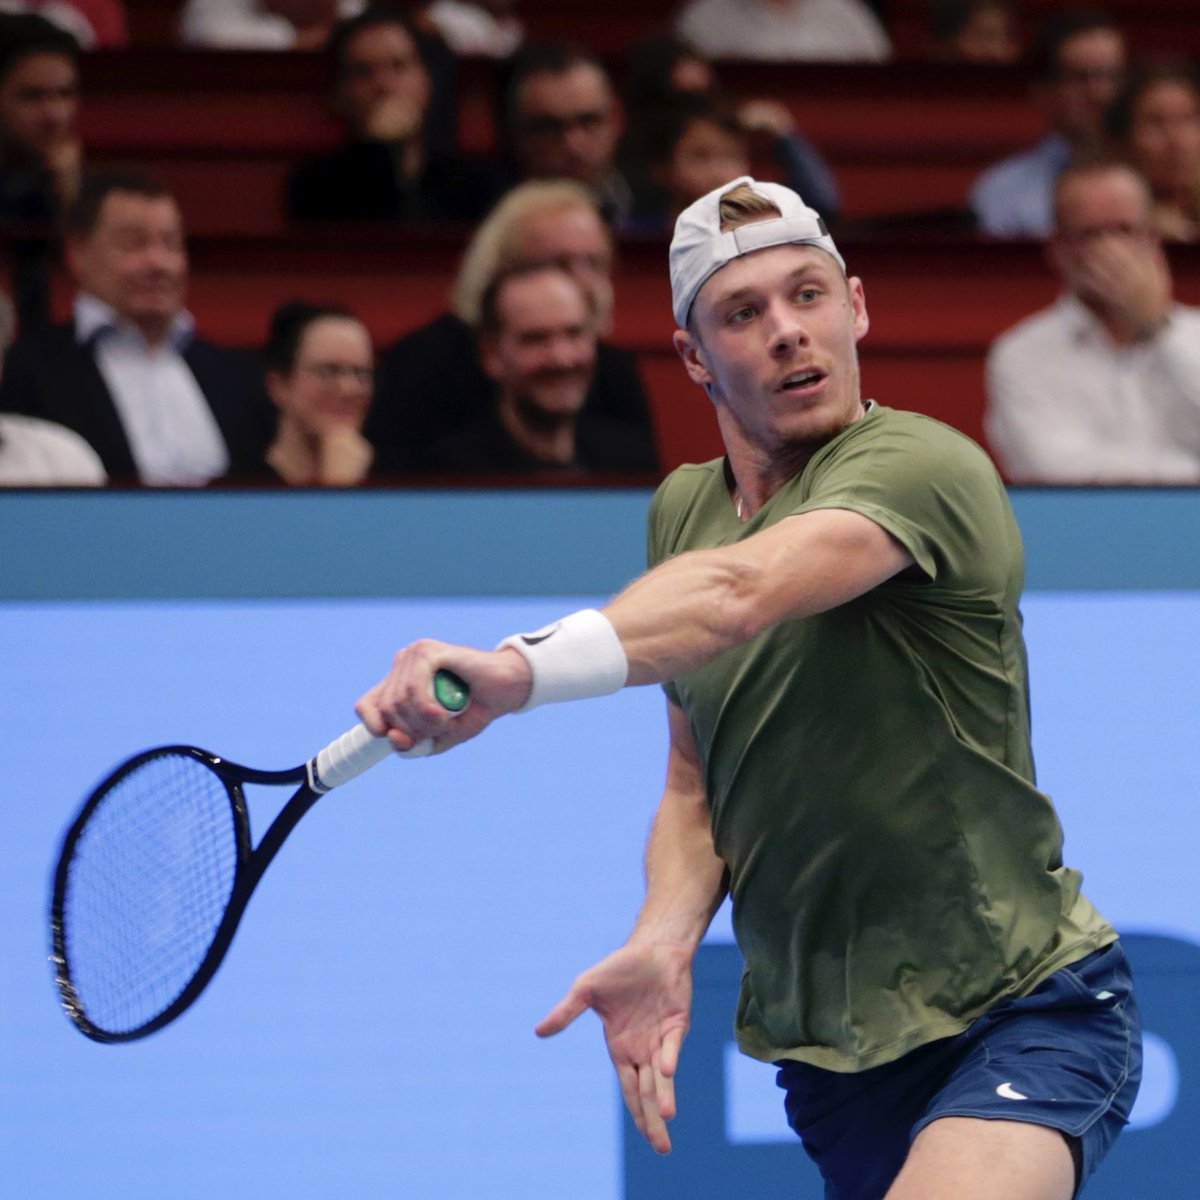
359	749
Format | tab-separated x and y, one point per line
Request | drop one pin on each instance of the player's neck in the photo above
758	471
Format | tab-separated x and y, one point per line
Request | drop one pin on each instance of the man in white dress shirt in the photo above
1102	387
158	405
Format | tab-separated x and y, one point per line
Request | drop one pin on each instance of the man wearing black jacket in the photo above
156	403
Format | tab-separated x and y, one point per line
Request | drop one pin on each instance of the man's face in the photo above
567	125
1090	66
39	102
381	64
1096	211
1165	137
329	385
544	351
773	337
135	259
578	239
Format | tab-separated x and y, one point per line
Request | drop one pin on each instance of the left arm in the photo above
673	619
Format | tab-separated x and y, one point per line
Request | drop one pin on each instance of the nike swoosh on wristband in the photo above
1009	1092
532	639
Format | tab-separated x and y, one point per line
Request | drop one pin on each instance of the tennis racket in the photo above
158	867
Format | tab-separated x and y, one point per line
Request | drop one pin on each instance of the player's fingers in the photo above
372	717
561	1015
668	1058
664	1094
627	1077
367	708
655	1128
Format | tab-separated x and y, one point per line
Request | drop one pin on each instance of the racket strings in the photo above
152	872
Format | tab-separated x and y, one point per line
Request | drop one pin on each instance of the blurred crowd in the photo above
520	377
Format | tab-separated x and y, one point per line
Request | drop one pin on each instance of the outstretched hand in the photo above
643	994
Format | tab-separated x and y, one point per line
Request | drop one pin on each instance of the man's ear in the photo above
690	350
858	303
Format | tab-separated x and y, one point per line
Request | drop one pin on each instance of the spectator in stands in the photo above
386	169
431	383
974	31
663	67
537	343
785	30
262	24
692	146
36	453
1078	59
128	374
477	28
1103	386
563	121
94	24
1155	123
320	374
41	153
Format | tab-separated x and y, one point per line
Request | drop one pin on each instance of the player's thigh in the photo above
973	1158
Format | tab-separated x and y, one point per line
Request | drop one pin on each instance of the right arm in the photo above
642	992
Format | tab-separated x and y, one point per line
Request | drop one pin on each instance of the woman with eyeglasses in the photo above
320	368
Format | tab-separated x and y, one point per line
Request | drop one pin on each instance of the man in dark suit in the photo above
157	404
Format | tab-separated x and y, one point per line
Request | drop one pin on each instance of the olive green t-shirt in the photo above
893	868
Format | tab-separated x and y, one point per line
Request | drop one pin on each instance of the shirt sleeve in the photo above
933	490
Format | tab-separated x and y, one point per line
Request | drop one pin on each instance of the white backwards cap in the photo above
699	248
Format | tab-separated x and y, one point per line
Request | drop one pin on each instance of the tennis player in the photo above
832	612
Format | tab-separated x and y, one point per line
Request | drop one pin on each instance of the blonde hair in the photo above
495	248
742	204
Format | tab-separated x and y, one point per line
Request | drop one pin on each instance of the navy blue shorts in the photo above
1068	1055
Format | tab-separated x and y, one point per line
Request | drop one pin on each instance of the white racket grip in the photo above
354	752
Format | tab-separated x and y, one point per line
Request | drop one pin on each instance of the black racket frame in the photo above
251	863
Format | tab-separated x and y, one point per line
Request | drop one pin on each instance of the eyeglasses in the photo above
332	372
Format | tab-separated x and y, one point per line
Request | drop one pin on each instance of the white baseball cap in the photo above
699	248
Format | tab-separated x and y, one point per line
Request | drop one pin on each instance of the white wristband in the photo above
572	659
